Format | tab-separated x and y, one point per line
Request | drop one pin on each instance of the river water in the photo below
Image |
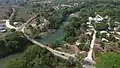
48	39
57	35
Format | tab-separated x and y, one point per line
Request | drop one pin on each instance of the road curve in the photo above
9	26
22	29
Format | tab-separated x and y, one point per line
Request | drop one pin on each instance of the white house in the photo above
101	32
108	34
72	14
33	25
104	40
89	33
90	19
116	28
118	33
90	26
117	22
98	18
88	23
77	43
16	23
106	17
4	30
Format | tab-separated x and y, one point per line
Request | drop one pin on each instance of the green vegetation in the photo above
12	43
108	60
76	27
36	57
101	26
76	30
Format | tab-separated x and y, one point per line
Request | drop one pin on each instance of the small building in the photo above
101	32
116	28
105	32
4	30
16	23
88	23
72	14
88	33
108	34
112	32
118	33
33	25
117	38
106	17
98	19
117	22
77	43
90	19
90	26
43	24
104	40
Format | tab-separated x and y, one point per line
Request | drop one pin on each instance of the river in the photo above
57	35
48	39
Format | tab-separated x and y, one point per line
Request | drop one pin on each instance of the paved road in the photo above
22	29
88	61
10	26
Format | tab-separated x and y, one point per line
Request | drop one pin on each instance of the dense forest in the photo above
13	43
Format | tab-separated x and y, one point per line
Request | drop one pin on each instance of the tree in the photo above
13	43
36	57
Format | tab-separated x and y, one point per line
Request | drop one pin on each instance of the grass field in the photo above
3	9
3	61
108	60
22	12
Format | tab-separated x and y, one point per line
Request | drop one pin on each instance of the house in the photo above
4	30
118	33
106	17
16	23
116	28
90	19
104	40
90	26
97	19
72	14
117	22
88	33
108	34
64	5
101	32
77	43
88	23
33	24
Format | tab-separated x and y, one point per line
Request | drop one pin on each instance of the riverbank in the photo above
57	34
